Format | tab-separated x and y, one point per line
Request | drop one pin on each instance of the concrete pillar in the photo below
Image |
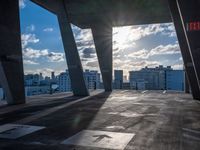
78	84
102	35
186	84
72	56
190	17
186	55
11	66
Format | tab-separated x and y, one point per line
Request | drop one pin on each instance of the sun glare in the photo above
121	35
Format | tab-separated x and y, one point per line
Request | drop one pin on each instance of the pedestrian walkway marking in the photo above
100	139
14	131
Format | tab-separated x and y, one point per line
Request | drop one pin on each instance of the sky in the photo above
134	47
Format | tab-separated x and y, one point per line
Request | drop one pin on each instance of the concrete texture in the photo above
185	50
85	13
11	66
102	34
188	16
72	57
160	120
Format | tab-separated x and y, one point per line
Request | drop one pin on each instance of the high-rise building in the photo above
41	77
175	80
64	82
92	79
118	79
144	79
32	79
153	78
53	75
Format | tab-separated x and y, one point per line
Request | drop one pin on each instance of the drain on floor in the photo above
14	131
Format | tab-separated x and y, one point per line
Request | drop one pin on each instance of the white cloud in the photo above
159	50
30	28
48	30
140	54
30	62
55	57
177	66
165	50
93	64
125	38
30	53
45	71
169	30
22	3
28	38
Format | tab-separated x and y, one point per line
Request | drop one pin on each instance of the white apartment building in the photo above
92	79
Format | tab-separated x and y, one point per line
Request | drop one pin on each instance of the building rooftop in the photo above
130	120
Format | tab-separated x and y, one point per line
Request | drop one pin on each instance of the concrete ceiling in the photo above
86	13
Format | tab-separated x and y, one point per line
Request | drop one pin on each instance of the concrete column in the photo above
190	15
73	60
72	57
186	55
103	42
11	66
186	84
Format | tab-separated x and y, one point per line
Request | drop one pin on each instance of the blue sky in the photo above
134	47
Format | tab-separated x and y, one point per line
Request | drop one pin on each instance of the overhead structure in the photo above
100	16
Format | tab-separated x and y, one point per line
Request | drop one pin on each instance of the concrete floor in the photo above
152	120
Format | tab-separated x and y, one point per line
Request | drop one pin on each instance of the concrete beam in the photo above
186	55
11	66
50	5
102	35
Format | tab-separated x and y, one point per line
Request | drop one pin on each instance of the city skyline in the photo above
134	47
86	70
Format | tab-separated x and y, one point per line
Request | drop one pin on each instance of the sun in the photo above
121	36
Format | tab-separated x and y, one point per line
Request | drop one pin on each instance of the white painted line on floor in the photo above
144	91
164	91
14	131
100	139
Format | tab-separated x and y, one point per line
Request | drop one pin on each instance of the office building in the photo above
156	79
32	79
64	82
175	80
118	79
92	79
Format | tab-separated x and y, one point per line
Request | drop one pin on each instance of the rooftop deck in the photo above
130	120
